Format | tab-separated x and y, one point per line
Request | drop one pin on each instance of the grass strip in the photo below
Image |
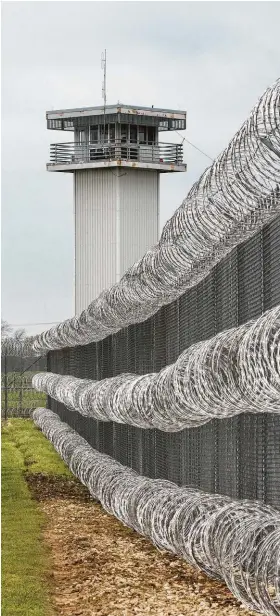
38	454
25	558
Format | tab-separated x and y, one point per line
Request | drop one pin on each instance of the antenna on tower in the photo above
104	92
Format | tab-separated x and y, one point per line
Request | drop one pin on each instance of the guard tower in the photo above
116	158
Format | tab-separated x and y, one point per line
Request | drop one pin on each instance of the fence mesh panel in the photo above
239	456
18	398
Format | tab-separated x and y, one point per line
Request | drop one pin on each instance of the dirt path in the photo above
101	568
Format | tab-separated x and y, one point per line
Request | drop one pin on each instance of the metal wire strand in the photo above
234	198
236	371
236	541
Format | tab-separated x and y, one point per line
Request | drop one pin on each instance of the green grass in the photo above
16	379
38	453
25	559
25	399
29	399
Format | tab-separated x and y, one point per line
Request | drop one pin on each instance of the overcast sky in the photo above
213	59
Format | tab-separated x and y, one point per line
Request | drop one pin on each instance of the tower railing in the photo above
86	152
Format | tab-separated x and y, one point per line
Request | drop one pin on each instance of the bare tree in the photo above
19	334
6	329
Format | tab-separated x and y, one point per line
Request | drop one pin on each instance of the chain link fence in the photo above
18	398
240	456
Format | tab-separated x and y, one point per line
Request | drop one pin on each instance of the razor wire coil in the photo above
236	371
236	541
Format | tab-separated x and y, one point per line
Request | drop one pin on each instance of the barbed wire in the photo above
236	541
20	348
236	371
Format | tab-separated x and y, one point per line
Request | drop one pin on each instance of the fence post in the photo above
20	386
6	385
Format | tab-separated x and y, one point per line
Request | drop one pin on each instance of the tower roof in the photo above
118	108
165	119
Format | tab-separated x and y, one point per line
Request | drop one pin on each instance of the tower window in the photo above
124	132
112	132
133	134
94	134
151	135
142	134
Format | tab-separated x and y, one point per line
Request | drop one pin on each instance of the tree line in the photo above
7	331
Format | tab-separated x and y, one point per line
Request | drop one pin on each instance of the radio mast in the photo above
104	94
